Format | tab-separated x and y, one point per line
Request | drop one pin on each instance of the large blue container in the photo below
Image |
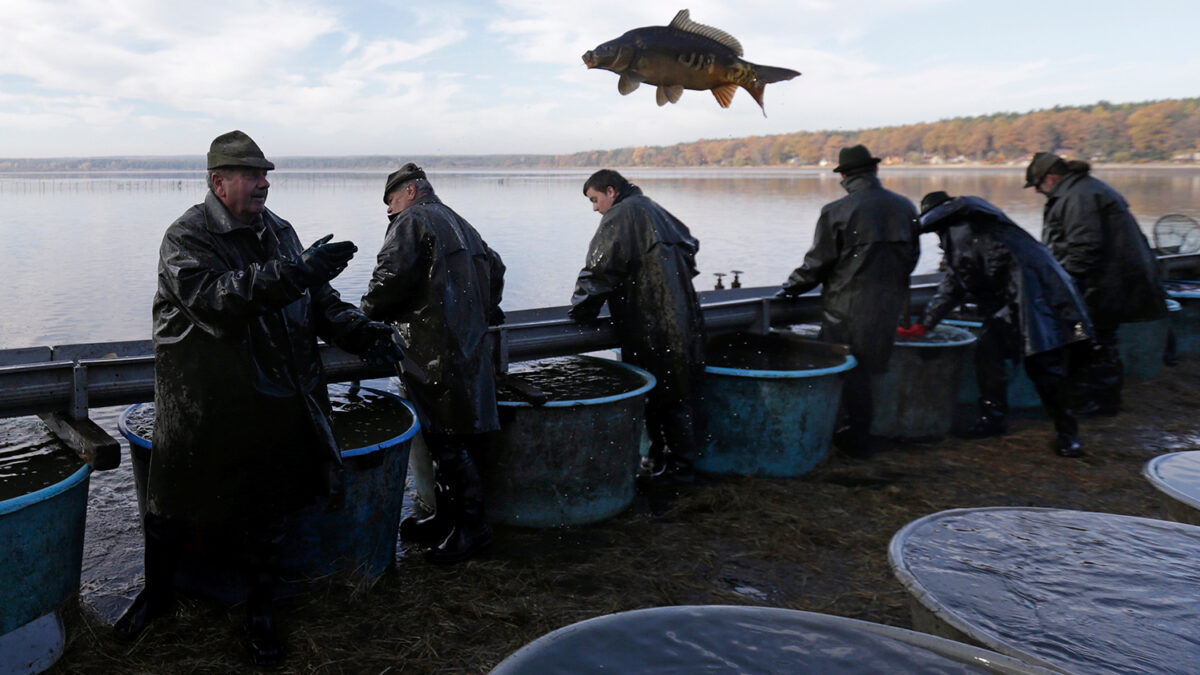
1143	343
915	398
566	462
357	533
1186	321
1021	392
41	555
772	422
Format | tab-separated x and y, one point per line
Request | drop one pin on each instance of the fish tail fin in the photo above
756	90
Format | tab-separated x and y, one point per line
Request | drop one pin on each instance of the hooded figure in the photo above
242	434
437	277
1088	227
863	251
1032	311
641	261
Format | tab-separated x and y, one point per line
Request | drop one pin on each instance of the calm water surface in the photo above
80	250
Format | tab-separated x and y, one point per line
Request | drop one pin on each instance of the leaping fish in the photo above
684	55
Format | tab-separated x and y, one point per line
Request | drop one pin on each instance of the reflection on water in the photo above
81	249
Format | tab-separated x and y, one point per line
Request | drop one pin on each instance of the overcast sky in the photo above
140	77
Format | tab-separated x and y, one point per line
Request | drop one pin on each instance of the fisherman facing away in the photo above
242	432
1031	310
863	251
437	277
1088	227
641	261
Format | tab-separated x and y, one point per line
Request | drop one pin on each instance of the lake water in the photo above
80	250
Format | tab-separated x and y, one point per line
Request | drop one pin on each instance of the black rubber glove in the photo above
324	260
384	345
784	293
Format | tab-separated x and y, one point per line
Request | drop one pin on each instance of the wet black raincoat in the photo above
641	261
864	249
437	278
1014	279
241	410
1089	229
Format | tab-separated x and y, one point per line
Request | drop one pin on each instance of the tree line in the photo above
1152	131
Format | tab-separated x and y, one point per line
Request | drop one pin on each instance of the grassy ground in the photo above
816	543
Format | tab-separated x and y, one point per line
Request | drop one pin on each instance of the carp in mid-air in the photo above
684	55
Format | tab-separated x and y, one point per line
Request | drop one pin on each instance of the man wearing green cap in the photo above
863	251
1088	227
437	278
242	434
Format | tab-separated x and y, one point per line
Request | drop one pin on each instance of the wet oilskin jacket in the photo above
437	278
641	260
864	249
1013	278
1089	229
241	409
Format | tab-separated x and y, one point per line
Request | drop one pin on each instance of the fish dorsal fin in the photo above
724	94
683	22
627	84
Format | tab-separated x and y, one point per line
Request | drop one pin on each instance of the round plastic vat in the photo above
916	397
1143	343
1073	591
1186	322
41	555
1176	476
357	532
730	639
568	461
1021	392
772	408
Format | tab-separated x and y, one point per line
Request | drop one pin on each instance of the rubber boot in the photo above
1067	445
471	533
157	598
1108	374
262	576
433	528
992	420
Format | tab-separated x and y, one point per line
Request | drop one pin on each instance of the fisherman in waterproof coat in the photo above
641	261
1031	309
437	277
242	433
863	251
1088	227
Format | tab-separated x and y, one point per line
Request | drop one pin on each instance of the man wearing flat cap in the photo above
1088	227
242	433
863	251
437	278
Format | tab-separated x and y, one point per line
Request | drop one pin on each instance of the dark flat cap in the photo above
932	200
856	157
1039	167
236	149
396	178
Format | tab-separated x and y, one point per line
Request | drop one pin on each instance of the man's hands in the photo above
384	346
914	331
324	260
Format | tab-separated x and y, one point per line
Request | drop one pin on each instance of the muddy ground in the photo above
816	543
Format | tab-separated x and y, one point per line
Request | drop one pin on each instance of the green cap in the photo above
1039	167
856	157
396	178
236	149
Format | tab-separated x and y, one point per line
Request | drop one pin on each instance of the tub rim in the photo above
44	494
1191	293
123	426
649	383
965	337
847	364
1150	471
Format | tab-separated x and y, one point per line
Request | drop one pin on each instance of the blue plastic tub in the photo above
359	533
1143	343
41	555
566	462
774	421
1021	392
915	398
1186	321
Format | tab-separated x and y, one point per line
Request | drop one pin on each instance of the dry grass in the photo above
817	543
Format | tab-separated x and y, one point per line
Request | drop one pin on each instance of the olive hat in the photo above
853	158
236	149
1039	167
407	172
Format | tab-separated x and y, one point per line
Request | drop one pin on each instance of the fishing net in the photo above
1177	233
